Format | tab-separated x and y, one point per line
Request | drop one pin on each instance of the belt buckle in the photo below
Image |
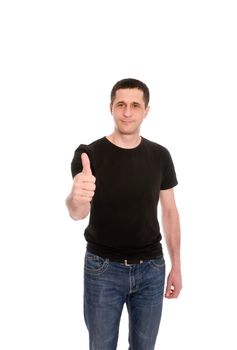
126	262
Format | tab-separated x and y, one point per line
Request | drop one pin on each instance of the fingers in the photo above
83	178
174	286
84	187
83	192
88	190
170	292
169	289
86	164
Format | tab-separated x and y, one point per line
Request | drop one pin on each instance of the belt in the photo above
127	262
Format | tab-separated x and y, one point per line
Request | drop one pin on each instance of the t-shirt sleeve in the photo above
169	178
76	164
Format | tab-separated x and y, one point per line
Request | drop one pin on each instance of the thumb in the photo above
86	164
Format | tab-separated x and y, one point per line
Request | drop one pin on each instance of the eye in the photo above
120	104
136	105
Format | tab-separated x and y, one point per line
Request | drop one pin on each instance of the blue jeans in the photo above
108	286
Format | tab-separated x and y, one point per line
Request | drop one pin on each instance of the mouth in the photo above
126	122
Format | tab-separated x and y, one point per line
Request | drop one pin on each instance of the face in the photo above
129	111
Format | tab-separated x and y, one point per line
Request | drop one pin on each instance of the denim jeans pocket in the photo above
158	263
95	264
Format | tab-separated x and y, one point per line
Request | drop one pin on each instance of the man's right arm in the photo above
83	190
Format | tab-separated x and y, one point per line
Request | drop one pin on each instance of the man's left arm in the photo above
171	228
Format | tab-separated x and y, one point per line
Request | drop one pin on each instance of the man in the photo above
119	180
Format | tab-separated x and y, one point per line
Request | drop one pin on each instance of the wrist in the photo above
176	265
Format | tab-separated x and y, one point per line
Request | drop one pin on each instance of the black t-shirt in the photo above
123	219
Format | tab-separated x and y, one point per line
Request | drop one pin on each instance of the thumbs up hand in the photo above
83	188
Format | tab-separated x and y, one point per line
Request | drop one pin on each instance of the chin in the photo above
124	131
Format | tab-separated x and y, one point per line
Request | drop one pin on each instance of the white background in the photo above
59	60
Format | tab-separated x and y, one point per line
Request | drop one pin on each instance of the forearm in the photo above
77	212
171	227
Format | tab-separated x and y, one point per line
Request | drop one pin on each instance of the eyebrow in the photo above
133	102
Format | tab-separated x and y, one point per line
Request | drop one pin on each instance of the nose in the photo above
127	111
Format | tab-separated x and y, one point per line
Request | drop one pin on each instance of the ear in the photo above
147	111
111	107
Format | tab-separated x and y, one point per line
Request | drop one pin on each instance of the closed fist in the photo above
83	188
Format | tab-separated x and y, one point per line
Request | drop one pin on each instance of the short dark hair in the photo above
131	83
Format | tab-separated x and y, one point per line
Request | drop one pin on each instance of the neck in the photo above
123	140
